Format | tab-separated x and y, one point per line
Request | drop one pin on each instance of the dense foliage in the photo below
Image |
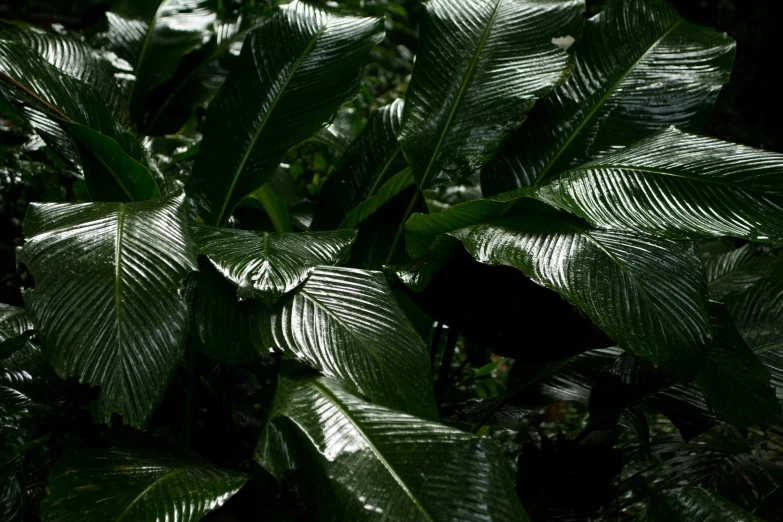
273	270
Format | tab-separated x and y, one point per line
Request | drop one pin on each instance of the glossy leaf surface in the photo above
274	100
480	67
106	296
680	186
367	164
136	484
374	462
647	294
346	323
640	68
691	503
266	265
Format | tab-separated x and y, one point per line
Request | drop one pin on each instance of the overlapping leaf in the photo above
394	186
153	36
481	66
648	294
640	68
16	350
266	265
367	164
292	74
691	503
371	462
346	323
106	296
678	185
136	484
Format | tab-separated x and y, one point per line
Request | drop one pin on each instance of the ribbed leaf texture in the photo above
367	208
106	297
136	484
640	68
733	380
292	74
375	463
480	67
689	504
266	265
648	294
153	37
680	186
360	173
346	323
16	351
102	70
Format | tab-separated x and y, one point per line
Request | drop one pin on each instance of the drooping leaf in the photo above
691	503
16	327
119	177
367	164
274	100
106	296
640	68
120	484
266	265
153	36
394	186
346	323
679	186
480	67
648	294
275	206
221	327
371	462
723	260
100	69
734	381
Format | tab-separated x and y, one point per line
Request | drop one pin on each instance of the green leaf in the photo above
639	68
721	260
16	324
136	484
733	380
11	497
690	504
648	294
367	164
275	207
220	326
274	100
120	265
369	461
153	36
346	323
480	67
77	59
677	185
120	178
265	265
394	186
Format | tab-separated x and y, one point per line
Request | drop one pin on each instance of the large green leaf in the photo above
480	67
639	68
733	380
648	294
370	462
690	504
394	186
677	185
153	36
106	296
119	484
292	74
266	265
346	323
77	59
367	164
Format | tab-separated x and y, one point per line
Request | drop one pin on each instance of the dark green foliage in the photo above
258	266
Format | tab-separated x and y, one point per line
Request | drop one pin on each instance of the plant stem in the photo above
51	108
462	366
489	414
445	366
190	393
435	342
401	228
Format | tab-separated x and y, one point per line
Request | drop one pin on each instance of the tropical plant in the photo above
516	285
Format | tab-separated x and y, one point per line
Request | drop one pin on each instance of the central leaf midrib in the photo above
118	286
268	114
468	76
143	52
334	400
163	477
612	88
